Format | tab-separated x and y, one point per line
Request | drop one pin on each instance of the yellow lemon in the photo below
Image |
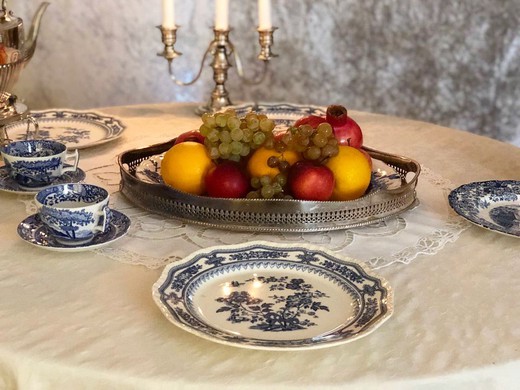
185	165
352	173
257	164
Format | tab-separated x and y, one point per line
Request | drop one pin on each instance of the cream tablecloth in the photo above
85	321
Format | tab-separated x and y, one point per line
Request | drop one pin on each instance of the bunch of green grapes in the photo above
266	187
229	137
314	144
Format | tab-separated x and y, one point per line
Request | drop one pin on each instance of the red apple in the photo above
226	180
346	130
309	181
312	120
193	135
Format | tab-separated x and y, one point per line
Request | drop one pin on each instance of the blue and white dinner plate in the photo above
283	114
8	184
33	231
270	296
76	129
493	204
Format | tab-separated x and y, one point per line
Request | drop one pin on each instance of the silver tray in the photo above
268	215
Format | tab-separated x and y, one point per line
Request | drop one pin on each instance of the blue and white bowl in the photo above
37	163
74	213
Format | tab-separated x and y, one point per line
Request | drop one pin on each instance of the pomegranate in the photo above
346	130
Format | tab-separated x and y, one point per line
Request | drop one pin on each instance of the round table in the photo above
80	320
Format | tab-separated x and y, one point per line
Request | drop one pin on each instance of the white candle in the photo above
168	9
222	15
264	15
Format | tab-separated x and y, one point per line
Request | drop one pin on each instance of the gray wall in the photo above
454	63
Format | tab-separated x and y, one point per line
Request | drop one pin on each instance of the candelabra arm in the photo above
185	83
240	69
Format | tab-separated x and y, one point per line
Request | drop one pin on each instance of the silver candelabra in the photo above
222	51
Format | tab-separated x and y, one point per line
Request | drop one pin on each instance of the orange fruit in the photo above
257	163
185	165
352	173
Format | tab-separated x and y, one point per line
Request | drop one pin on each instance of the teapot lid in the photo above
7	19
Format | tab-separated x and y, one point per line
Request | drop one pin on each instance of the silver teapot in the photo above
15	52
12	35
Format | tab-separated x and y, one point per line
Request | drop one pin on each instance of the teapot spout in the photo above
35	28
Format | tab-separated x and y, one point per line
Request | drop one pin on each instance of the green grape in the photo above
319	140
267	125
224	148
281	179
287	138
329	151
245	150
325	129
267	192
204	130
303	140
236	148
248	135
225	136
313	153
306	130
253	195
221	120
258	138
277	188
252	121
233	123
213	135
209	120
234	157
269	142
265	180
255	182
237	134
214	153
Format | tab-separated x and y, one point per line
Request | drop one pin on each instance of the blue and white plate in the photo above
33	231
283	114
493	204
8	184
76	129
263	295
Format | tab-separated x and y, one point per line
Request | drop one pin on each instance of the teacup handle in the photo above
105	215
72	155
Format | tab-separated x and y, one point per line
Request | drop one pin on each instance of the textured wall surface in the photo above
454	63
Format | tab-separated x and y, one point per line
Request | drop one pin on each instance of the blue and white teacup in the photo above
74	213
37	163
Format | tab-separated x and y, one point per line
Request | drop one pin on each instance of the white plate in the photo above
33	231
76	129
8	184
493	204
271	296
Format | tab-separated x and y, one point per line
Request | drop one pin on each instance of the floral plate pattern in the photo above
33	231
493	204
8	184
271	296
76	129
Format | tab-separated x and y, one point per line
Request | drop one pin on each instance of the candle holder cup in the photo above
224	53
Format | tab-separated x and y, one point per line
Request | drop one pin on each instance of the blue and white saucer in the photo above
8	184
33	231
494	205
271	296
76	129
